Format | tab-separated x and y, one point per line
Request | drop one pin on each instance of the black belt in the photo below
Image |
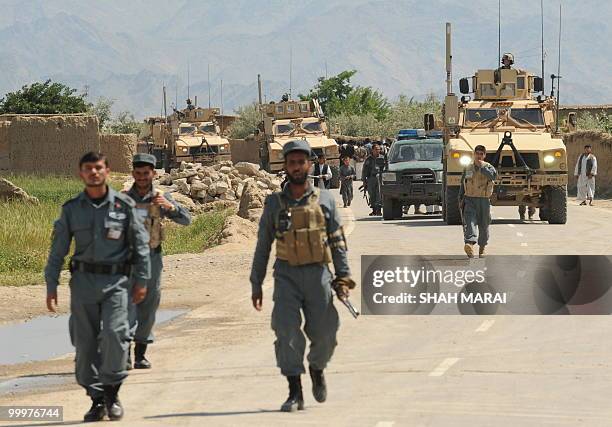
85	267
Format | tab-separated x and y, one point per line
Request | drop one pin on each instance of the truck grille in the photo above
507	160
204	149
418	176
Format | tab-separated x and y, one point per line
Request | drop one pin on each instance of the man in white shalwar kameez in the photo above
585	172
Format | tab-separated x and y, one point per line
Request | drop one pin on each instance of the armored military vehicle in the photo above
191	135
518	130
288	120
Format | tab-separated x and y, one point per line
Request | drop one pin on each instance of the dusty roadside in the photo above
189	281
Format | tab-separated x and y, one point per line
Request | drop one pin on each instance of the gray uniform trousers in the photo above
304	289
142	316
374	192
99	329
476	214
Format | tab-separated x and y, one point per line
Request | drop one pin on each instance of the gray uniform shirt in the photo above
91	225
180	215
267	231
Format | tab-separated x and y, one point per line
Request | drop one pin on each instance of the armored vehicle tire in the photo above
451	205
392	209
543	213
557	205
335	181
166	161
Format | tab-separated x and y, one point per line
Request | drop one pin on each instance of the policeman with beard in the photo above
305	223
152	205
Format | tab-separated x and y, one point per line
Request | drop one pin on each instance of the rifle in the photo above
349	306
365	193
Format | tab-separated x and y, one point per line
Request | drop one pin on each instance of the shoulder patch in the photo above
126	199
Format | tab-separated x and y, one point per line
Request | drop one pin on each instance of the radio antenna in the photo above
290	71
542	15
188	79
209	86
499	33
559	69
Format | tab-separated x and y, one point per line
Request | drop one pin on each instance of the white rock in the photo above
212	189
222	187
225	170
247	168
198	186
262	185
182	186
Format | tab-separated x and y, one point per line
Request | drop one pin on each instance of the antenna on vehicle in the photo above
188	80
222	104
176	94
165	109
259	87
498	33
542	16
290	71
559	70
208	85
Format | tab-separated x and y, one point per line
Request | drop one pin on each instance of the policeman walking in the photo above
306	225
151	205
110	243
474	194
369	176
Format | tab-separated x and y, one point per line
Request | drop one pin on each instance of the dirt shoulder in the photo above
189	281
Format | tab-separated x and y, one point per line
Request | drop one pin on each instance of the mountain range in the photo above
128	50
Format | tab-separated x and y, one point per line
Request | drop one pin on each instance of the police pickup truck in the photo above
413	175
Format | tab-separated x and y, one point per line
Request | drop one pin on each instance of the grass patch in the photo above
25	229
203	233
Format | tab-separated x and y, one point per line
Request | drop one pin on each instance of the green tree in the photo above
124	123
247	121
332	92
102	109
44	98
365	100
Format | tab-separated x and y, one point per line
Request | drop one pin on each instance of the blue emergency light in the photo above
410	134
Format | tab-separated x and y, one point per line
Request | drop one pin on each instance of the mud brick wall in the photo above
120	150
45	144
244	151
51	145
5	148
602	149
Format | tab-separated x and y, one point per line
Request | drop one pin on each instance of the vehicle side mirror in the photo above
464	86
538	84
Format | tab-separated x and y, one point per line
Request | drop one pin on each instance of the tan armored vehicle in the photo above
288	120
518	131
191	135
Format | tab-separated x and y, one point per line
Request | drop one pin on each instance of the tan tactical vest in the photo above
153	223
305	242
478	185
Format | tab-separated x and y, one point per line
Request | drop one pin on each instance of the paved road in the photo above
215	366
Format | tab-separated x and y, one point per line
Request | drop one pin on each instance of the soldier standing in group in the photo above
347	176
474	201
151	205
306	225
369	176
530	211
110	243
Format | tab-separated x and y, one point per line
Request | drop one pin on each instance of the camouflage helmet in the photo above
509	57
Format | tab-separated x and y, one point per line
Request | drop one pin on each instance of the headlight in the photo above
184	149
548	159
439	176
389	177
465	160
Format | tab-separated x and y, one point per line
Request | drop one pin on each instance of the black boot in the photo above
96	412
139	357
128	366
295	401
319	388
112	403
